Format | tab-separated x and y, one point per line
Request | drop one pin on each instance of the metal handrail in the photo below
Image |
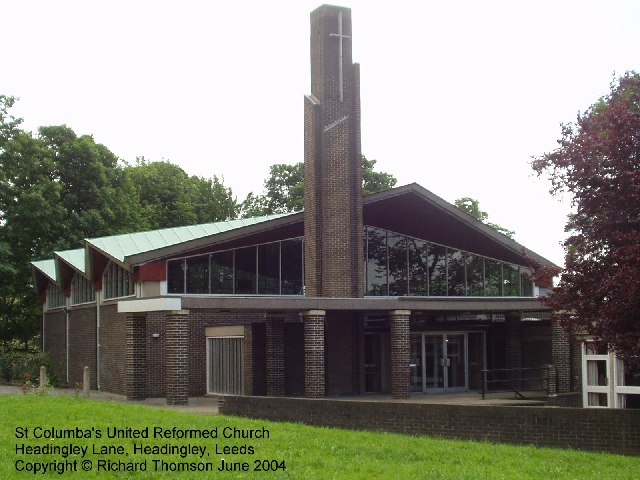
513	384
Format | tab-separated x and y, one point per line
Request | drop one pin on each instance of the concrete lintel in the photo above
156	304
313	313
400	313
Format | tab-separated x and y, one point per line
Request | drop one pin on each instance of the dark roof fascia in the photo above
464	217
40	279
198	243
69	266
432	304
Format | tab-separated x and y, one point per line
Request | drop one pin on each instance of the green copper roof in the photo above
48	267
75	258
121	246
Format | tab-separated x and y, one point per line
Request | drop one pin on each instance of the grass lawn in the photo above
304	452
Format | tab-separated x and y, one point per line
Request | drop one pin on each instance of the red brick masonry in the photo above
607	430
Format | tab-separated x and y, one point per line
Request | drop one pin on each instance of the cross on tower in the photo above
340	36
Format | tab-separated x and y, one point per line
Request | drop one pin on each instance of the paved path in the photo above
209	405
204	405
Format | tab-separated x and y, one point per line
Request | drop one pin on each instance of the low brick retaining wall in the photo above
609	430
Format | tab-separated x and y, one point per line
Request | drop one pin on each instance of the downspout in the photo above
44	309
98	339
66	314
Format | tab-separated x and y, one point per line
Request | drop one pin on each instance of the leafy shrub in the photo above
14	364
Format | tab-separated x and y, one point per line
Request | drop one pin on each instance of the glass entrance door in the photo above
439	362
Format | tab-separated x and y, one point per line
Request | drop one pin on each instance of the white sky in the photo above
456	96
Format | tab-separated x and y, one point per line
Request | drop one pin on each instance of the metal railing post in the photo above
484	383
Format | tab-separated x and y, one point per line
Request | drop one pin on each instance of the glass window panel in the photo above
377	262
527	282
597	373
456	269
82	290
475	275
291	264
415	363
245	270
269	269
222	272
397	251
117	282
418	267
593	348
55	296
597	399
511	280
493	278
437	270
198	274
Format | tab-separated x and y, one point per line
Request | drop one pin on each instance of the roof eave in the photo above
461	215
238	233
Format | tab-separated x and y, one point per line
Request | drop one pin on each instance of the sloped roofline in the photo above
130	249
221	231
458	214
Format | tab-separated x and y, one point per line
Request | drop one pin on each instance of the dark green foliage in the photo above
472	207
284	188
57	189
18	365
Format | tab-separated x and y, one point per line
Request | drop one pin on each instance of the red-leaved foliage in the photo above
598	164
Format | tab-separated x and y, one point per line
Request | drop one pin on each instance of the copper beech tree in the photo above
597	163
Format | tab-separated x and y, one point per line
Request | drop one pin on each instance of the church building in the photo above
396	292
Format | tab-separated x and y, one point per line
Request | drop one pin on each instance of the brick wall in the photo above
82	344
156	354
275	355
259	334
333	186
112	350
400	355
561	352
314	354
55	342
293	359
609	430
136	356
198	321
177	328
342	353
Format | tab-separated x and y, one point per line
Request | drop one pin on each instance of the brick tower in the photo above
332	161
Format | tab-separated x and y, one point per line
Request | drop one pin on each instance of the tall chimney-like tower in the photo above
333	161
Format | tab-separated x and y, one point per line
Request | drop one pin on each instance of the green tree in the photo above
284	188
97	198
55	189
168	197
373	181
30	217
472	207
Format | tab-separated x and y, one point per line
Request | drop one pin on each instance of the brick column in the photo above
314	367
513	346
177	351
135	384
550	383
400	353
561	355
275	355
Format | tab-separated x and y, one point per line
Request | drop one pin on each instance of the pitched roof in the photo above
47	267
74	258
119	247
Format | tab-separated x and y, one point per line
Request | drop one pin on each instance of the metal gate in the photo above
225	365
